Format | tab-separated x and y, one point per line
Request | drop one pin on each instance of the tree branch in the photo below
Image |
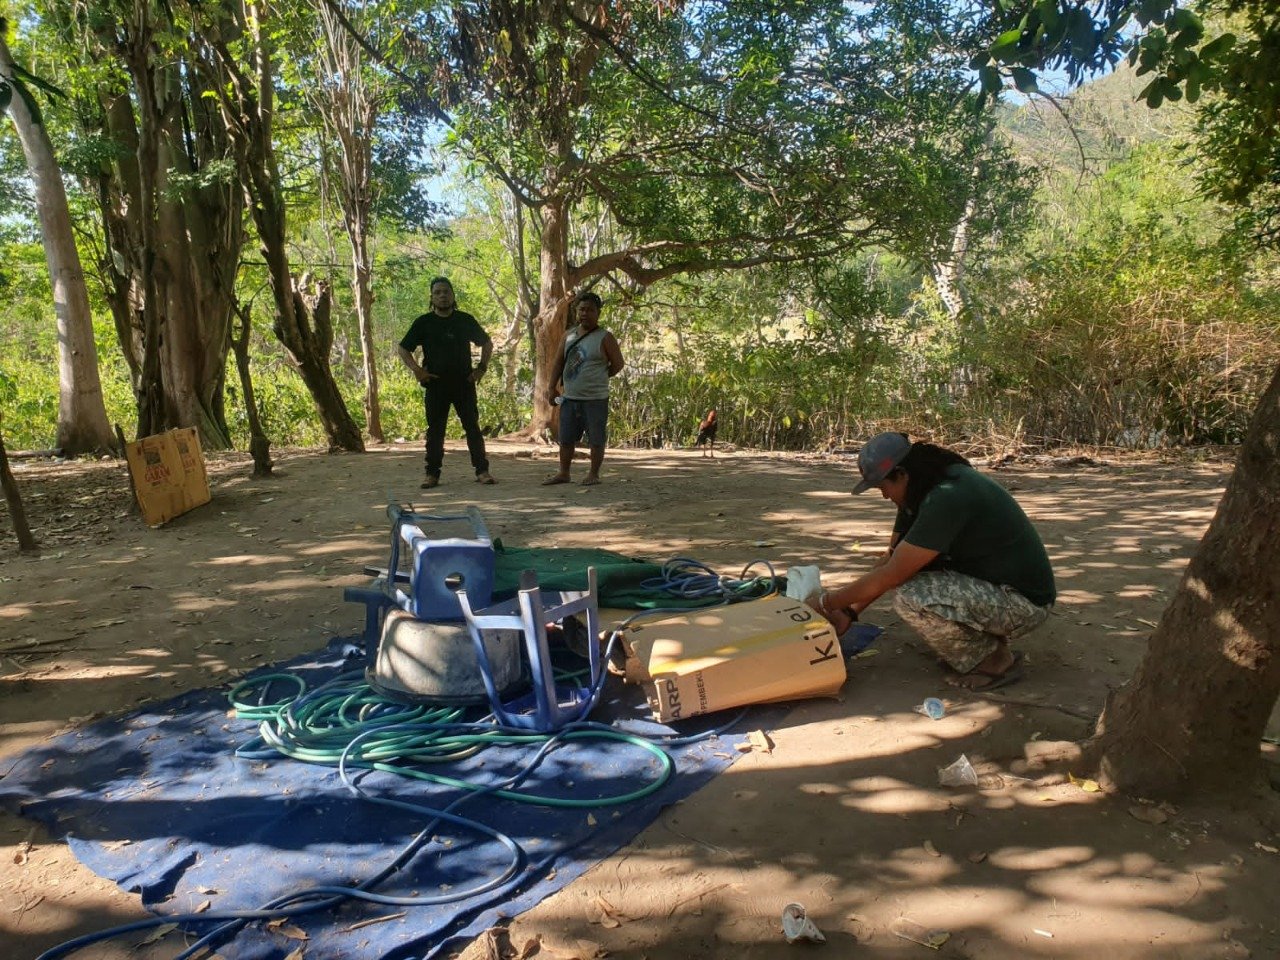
434	107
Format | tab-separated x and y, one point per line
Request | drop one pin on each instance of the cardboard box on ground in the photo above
714	658
168	474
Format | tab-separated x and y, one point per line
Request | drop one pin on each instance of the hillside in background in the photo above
1084	133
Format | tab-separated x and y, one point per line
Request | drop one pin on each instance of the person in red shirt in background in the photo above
707	433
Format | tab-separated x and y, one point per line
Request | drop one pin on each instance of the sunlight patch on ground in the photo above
246	560
1138	591
288	587
836	494
1124	888
1071	597
31	608
1036	858
889	795
344	547
191	604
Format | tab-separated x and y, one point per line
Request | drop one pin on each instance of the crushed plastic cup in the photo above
933	708
796	925
960	773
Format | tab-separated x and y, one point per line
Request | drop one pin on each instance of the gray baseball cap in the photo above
879	456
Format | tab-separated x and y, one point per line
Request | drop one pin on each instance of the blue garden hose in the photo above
694	580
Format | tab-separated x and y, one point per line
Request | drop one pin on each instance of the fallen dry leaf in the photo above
930	849
1153	815
905	929
977	856
604	913
1088	786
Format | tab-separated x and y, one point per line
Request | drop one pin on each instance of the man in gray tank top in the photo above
589	358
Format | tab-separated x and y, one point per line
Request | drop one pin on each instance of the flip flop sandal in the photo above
554	479
995	680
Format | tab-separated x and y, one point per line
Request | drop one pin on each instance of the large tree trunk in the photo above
553	298
200	231
302	323
1192	718
173	237
82	414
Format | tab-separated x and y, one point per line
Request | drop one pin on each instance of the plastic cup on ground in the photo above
960	773
797	926
933	708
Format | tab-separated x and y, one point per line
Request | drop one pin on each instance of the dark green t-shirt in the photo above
979	529
446	342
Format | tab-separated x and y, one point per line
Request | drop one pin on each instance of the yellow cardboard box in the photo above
711	659
168	474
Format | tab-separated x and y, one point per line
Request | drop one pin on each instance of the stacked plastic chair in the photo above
549	706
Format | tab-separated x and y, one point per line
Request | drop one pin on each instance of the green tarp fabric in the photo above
619	578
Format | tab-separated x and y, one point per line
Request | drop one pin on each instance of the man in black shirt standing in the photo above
447	377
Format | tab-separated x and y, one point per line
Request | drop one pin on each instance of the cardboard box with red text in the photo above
168	474
715	658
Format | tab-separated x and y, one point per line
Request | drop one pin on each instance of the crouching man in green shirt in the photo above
971	572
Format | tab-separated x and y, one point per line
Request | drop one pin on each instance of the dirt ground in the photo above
844	816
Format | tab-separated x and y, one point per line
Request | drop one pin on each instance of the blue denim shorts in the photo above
584	416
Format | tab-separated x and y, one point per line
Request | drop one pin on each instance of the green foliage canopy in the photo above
718	135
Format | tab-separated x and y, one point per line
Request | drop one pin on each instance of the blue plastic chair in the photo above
549	706
426	588
435	561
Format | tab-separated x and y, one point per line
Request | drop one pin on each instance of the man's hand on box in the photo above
840	619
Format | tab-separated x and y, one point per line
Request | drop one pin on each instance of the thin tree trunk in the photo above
150	398
362	287
114	181
13	497
348	98
527	298
1192	718
82	414
259	444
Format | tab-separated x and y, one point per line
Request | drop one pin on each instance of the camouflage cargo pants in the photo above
964	619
